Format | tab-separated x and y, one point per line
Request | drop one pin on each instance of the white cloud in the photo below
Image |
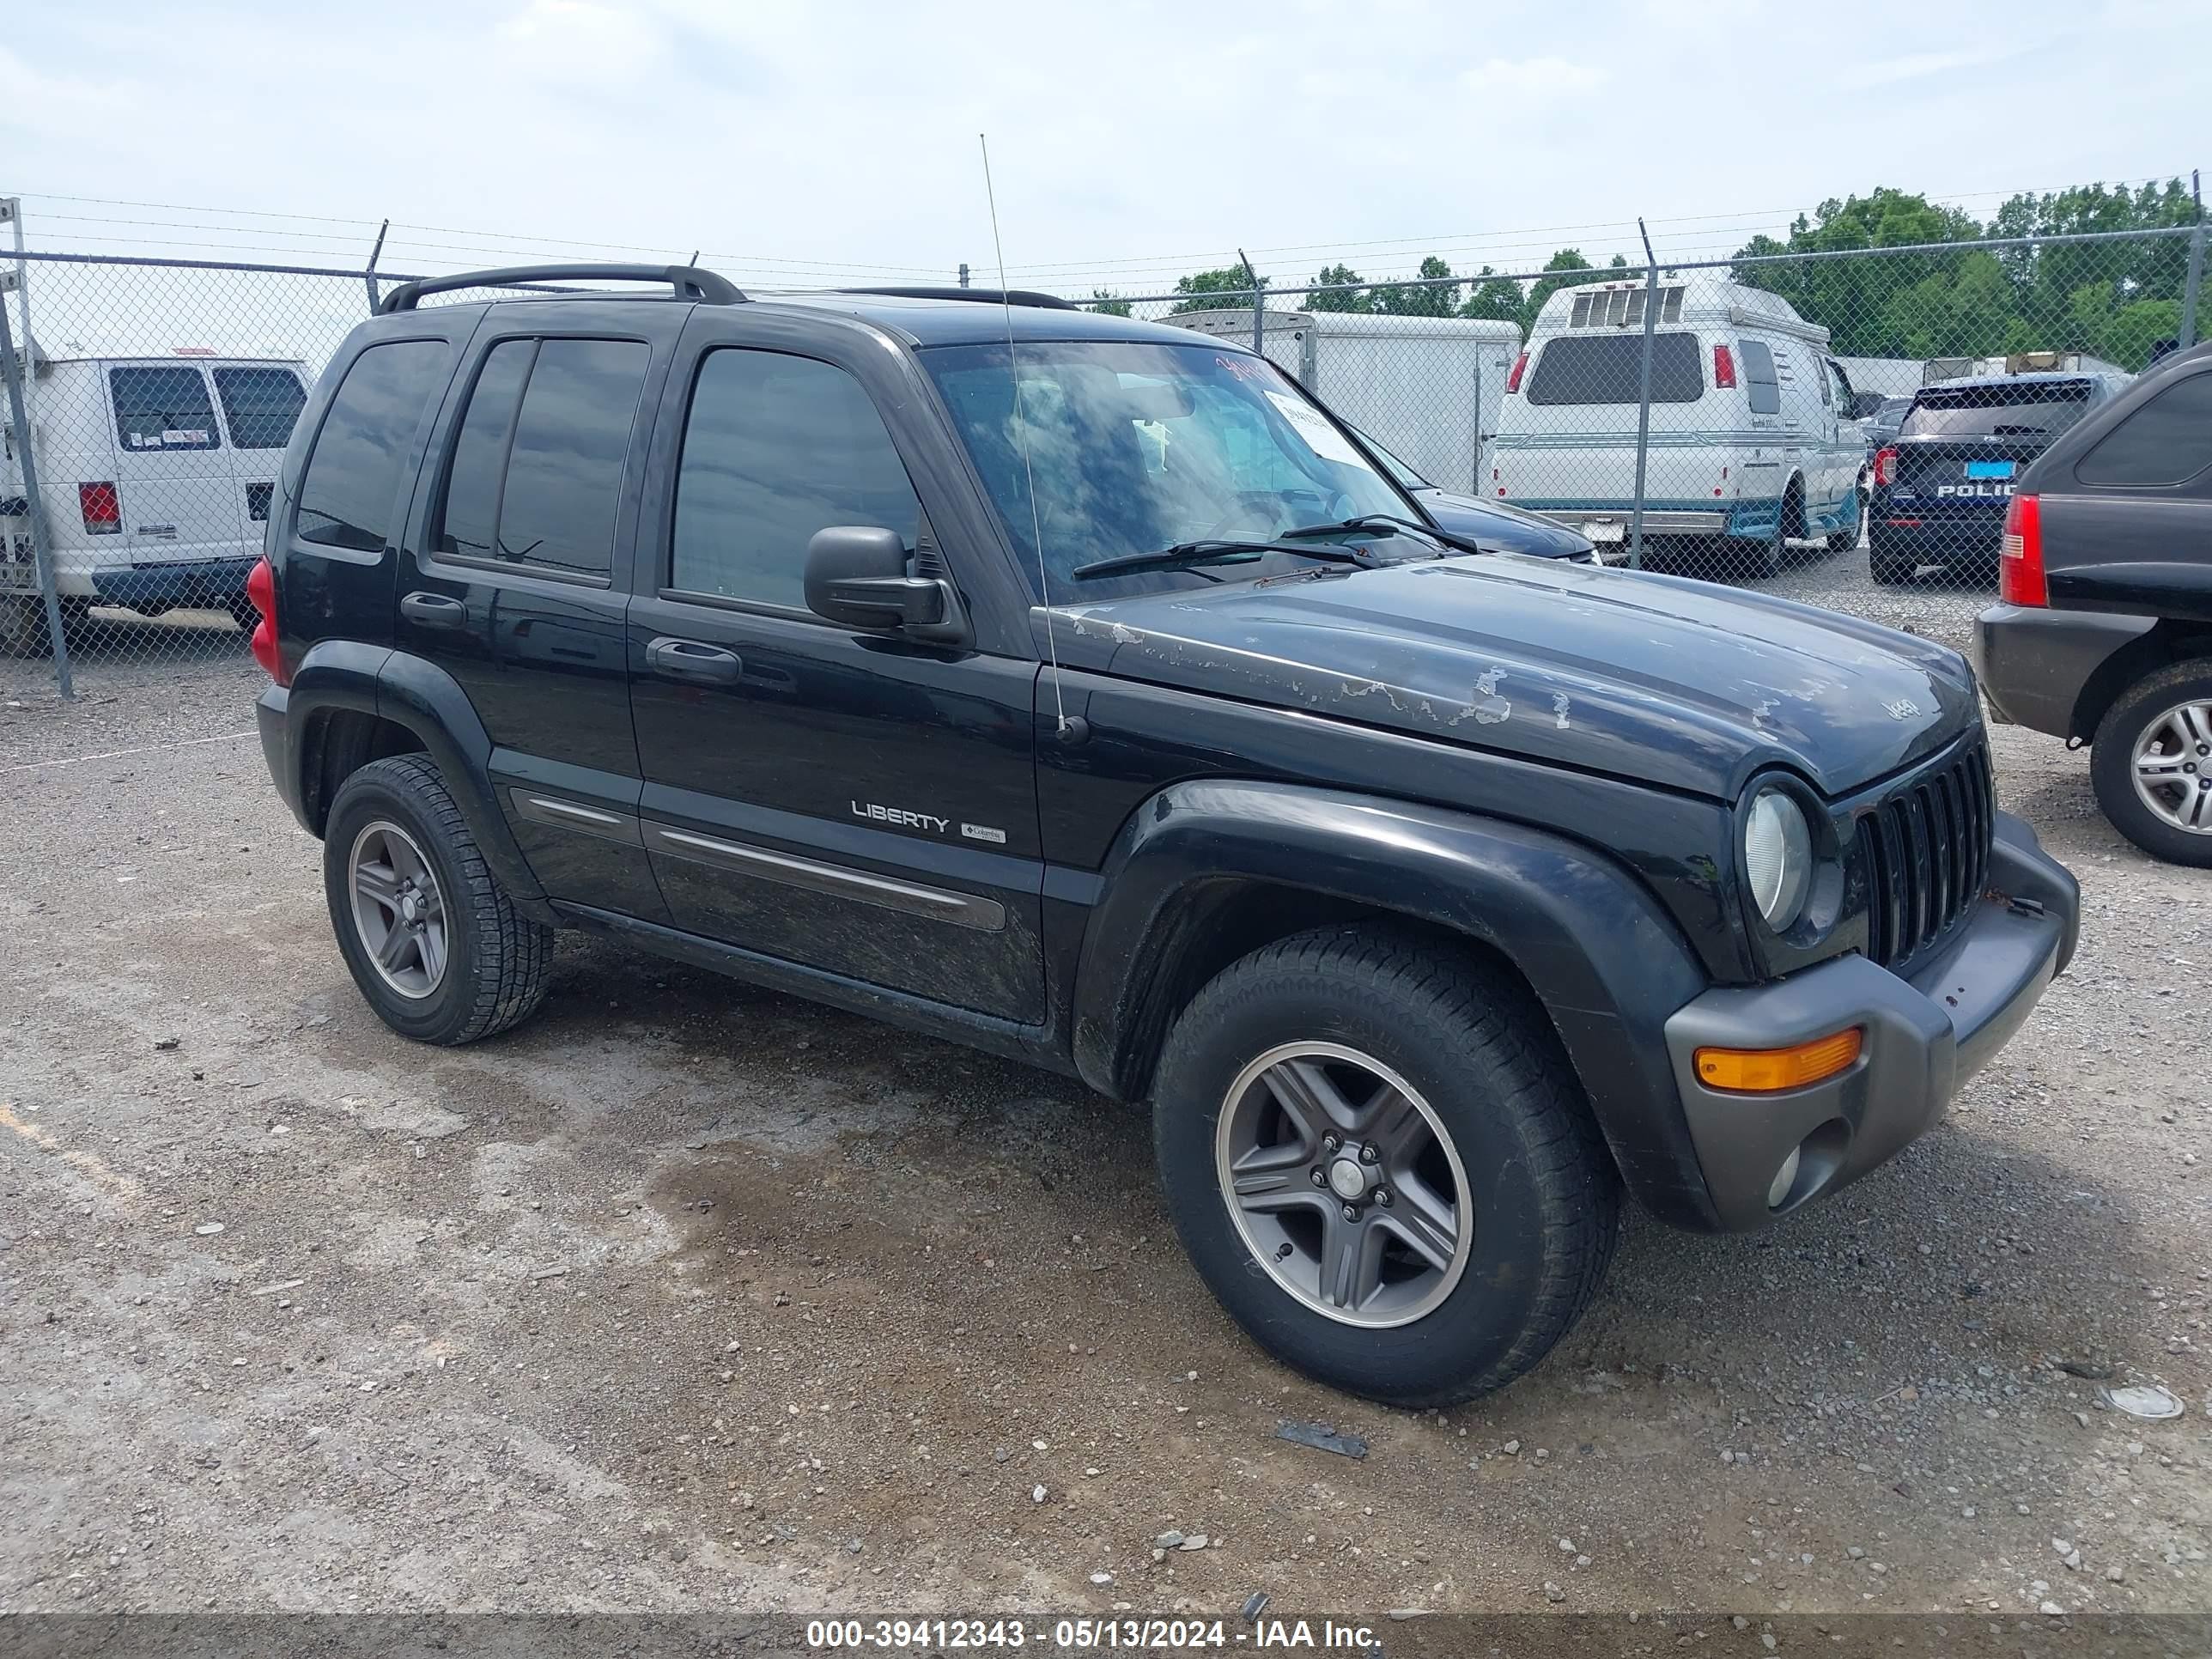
1533	78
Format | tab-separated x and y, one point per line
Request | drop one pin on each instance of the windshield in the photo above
1406	476
2033	408
1136	447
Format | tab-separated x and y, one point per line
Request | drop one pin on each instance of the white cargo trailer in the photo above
1427	388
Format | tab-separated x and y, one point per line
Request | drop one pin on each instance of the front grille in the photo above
1925	850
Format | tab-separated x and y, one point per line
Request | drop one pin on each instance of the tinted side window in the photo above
345	499
1759	384
564	468
260	405
775	448
1604	368
2166	442
162	407
472	510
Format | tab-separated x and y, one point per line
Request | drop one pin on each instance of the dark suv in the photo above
1064	686
2104	635
1940	486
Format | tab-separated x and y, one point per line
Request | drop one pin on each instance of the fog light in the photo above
1784	1179
1765	1070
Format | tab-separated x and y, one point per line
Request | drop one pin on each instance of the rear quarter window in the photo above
346	495
1760	386
2166	442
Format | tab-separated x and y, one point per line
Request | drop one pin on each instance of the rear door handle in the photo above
434	611
688	660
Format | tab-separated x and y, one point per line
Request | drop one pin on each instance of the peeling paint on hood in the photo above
1682	683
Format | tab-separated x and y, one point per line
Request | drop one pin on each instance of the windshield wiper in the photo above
1381	524
1184	555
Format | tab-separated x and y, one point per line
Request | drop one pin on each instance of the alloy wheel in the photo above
2172	767
1345	1184
397	909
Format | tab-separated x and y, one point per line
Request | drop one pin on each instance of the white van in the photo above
155	472
1428	387
1751	439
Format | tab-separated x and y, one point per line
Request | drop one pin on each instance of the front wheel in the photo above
2151	764
1377	1156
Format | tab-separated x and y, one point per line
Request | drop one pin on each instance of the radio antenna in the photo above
1021	434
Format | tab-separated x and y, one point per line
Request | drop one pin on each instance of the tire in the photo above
492	962
244	612
2164	720
23	626
1844	540
1504	1119
1888	569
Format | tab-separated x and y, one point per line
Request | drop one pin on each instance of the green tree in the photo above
1437	299
1205	288
1107	303
1348	295
1854	298
1496	298
1577	270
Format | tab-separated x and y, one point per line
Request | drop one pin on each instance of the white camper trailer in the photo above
1427	387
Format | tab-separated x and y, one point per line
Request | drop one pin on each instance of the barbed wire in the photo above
1686	237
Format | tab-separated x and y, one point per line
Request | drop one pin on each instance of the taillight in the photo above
261	588
2020	555
1520	367
1885	466
102	509
1723	366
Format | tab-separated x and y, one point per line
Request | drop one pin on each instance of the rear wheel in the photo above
244	612
1843	541
431	939
23	626
1379	1158
1889	569
2151	764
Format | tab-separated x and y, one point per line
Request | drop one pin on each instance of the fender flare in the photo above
1602	957
418	694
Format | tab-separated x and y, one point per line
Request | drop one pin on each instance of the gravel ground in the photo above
687	1297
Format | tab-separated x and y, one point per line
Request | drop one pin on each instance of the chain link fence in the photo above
1843	429
1840	429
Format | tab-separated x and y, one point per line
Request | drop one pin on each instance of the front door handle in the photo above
688	660
434	611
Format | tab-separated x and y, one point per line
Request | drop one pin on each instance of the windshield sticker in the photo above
1324	440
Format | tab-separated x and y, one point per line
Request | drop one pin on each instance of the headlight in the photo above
1778	857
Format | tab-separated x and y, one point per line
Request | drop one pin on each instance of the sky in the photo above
1130	140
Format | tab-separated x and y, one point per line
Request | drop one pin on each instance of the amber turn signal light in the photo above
1766	1071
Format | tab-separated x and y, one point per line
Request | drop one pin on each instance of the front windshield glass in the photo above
1136	447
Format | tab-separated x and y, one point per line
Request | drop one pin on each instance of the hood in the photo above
1683	684
1501	528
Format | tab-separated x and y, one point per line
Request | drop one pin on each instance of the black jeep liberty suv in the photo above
1079	689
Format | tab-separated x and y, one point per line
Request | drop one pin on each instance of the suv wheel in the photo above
1888	570
432	940
1379	1161
2152	763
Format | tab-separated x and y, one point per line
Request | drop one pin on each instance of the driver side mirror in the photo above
856	576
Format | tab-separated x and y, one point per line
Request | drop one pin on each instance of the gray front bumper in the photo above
1925	1035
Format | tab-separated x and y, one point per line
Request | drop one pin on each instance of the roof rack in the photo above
687	282
994	296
